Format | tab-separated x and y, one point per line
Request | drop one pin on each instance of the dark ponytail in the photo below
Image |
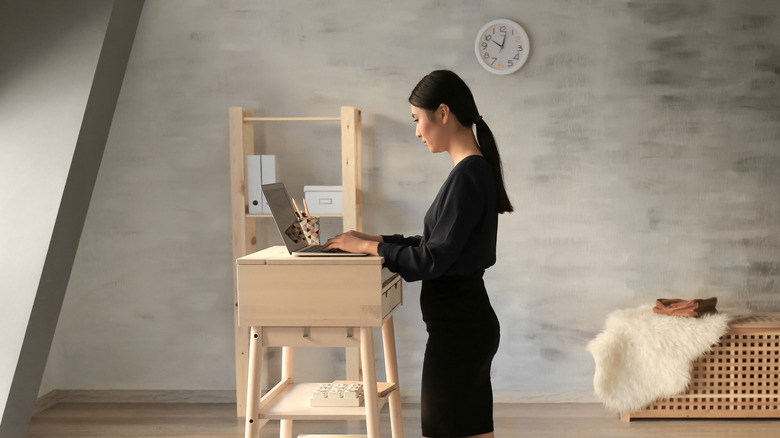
490	150
445	87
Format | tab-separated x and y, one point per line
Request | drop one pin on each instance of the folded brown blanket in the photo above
680	307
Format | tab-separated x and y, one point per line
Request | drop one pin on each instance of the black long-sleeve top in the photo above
460	227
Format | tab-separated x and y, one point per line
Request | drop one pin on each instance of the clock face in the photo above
502	46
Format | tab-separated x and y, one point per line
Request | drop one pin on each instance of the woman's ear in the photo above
443	113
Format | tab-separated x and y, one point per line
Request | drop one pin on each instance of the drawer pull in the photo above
386	291
350	332
307	332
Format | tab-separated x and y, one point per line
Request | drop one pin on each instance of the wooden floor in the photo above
581	420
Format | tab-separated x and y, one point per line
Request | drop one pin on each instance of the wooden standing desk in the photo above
317	301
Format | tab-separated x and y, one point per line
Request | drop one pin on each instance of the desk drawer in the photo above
391	296
316	295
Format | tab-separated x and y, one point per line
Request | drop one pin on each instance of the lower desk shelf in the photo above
293	403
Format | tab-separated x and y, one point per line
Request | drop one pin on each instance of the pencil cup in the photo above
311	229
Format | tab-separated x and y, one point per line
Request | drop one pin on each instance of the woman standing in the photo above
458	244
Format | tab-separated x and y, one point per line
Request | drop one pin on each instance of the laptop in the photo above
287	222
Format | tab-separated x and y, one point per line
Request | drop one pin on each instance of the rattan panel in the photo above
739	378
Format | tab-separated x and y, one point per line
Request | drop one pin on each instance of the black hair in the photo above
445	87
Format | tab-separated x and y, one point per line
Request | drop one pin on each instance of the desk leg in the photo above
285	428
391	369
353	363
288	372
369	381
254	380
242	364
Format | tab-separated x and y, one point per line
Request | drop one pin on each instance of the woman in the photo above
458	244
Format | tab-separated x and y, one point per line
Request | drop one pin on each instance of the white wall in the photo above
48	58
639	145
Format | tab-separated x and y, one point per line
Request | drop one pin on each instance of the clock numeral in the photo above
488	37
493	61
517	40
519	48
510	62
502	29
517	57
486	55
484	45
500	64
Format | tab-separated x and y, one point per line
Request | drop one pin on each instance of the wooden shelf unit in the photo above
242	143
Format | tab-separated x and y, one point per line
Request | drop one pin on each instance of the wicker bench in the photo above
739	378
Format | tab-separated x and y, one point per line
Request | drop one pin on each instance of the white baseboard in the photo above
584	396
133	396
229	396
46	401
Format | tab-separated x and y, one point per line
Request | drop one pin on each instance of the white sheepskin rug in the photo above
642	356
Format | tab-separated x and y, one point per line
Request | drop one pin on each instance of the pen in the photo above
306	207
296	208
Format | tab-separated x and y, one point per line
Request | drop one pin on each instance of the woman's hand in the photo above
364	236
354	241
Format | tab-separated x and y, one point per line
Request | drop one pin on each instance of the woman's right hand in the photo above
355	242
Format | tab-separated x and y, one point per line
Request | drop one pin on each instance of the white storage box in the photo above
324	199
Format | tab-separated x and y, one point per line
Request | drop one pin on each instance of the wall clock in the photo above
502	46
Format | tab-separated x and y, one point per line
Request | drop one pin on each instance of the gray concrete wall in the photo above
640	146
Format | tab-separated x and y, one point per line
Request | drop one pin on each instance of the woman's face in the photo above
429	129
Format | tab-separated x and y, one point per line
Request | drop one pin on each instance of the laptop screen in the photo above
284	216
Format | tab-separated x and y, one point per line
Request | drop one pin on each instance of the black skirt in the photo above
463	337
